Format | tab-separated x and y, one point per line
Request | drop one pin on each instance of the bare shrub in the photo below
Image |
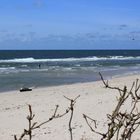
35	125
122	124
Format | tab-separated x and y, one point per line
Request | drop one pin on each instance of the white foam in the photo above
7	68
23	65
94	58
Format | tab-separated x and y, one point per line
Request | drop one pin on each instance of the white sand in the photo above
94	101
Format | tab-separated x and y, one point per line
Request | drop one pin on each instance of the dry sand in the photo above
95	101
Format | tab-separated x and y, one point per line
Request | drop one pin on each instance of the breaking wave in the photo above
33	60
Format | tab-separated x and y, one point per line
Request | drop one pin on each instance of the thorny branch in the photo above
122	124
87	118
35	125
72	103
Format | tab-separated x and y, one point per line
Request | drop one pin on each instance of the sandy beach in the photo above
95	101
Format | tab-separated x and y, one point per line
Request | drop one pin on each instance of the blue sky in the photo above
70	24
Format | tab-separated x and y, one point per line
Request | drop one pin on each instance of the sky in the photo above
69	24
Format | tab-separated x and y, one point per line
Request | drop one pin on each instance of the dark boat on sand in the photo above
25	89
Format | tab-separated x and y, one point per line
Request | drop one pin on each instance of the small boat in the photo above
25	89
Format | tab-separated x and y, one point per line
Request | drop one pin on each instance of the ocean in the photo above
38	68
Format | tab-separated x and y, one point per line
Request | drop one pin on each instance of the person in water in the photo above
39	66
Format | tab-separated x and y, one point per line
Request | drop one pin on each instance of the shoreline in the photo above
70	84
95	101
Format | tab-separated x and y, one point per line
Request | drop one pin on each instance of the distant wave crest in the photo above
33	60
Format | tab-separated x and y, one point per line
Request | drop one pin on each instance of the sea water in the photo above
36	68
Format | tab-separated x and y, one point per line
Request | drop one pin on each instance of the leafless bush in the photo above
122	124
34	125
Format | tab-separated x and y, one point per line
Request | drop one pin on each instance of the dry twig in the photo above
34	125
122	125
72	103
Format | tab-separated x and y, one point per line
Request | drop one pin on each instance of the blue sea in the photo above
38	68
